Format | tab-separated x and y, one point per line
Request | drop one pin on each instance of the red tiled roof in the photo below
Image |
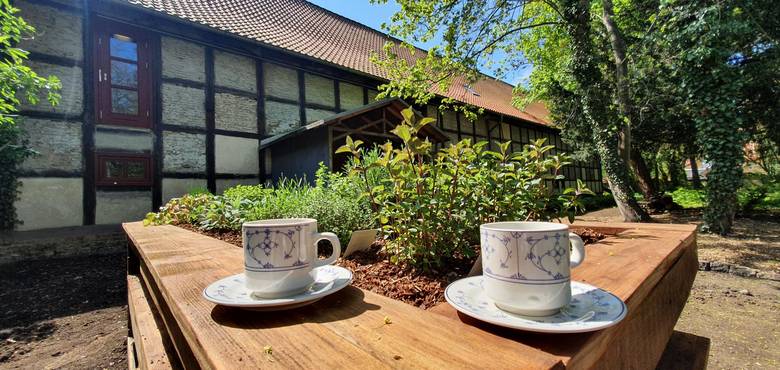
307	29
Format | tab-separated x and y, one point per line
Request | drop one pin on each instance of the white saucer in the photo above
231	291
590	309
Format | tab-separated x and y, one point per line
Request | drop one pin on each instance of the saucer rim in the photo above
538	327
291	300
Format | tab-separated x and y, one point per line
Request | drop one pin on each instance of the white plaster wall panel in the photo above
319	90
431	111
317	114
351	96
505	132
280	82
449	120
235	155
481	125
136	141
281	117
235	71
184	152
372	95
183	59
224	184
58	144
113	207
515	129
453	137
183	106
236	113
175	188
46	202
57	32
71	94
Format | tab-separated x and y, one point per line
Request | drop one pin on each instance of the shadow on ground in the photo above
34	291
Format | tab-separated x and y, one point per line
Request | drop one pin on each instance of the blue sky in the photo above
373	15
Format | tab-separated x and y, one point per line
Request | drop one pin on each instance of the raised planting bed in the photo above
373	270
650	266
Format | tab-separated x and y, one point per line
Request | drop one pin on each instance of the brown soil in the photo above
64	313
741	316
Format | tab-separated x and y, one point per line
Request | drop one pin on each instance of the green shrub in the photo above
334	201
430	203
689	198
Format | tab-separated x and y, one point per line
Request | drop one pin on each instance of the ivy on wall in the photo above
17	82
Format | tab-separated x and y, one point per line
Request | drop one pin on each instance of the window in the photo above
123	78
123	169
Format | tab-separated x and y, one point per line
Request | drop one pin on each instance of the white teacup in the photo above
526	266
279	255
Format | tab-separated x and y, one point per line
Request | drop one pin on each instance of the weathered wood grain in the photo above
630	264
347	330
148	340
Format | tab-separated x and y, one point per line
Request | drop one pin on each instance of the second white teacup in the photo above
526	266
279	255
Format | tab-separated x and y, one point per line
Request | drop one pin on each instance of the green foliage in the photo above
689	198
430	204
334	202
17	82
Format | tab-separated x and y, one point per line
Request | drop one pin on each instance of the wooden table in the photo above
650	266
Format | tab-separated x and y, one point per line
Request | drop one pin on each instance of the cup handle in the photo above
334	241
577	251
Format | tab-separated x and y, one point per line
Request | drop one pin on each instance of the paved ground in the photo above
71	313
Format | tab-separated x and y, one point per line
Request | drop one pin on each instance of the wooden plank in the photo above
132	364
685	351
149	344
650	325
346	330
181	353
629	264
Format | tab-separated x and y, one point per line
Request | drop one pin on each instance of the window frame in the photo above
101	179
102	71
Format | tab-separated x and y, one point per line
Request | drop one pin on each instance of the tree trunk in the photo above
590	91
633	156
643	177
618	44
695	179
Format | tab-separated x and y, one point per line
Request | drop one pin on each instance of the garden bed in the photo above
373	271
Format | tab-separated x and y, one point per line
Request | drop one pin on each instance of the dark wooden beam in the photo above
89	194
337	95
157	153
302	97
457	123
260	87
210	122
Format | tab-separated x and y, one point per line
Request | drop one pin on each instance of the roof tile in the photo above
307	29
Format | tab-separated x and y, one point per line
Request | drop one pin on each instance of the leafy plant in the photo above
431	203
334	202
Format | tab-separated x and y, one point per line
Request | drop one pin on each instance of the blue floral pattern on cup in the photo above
274	249
539	256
